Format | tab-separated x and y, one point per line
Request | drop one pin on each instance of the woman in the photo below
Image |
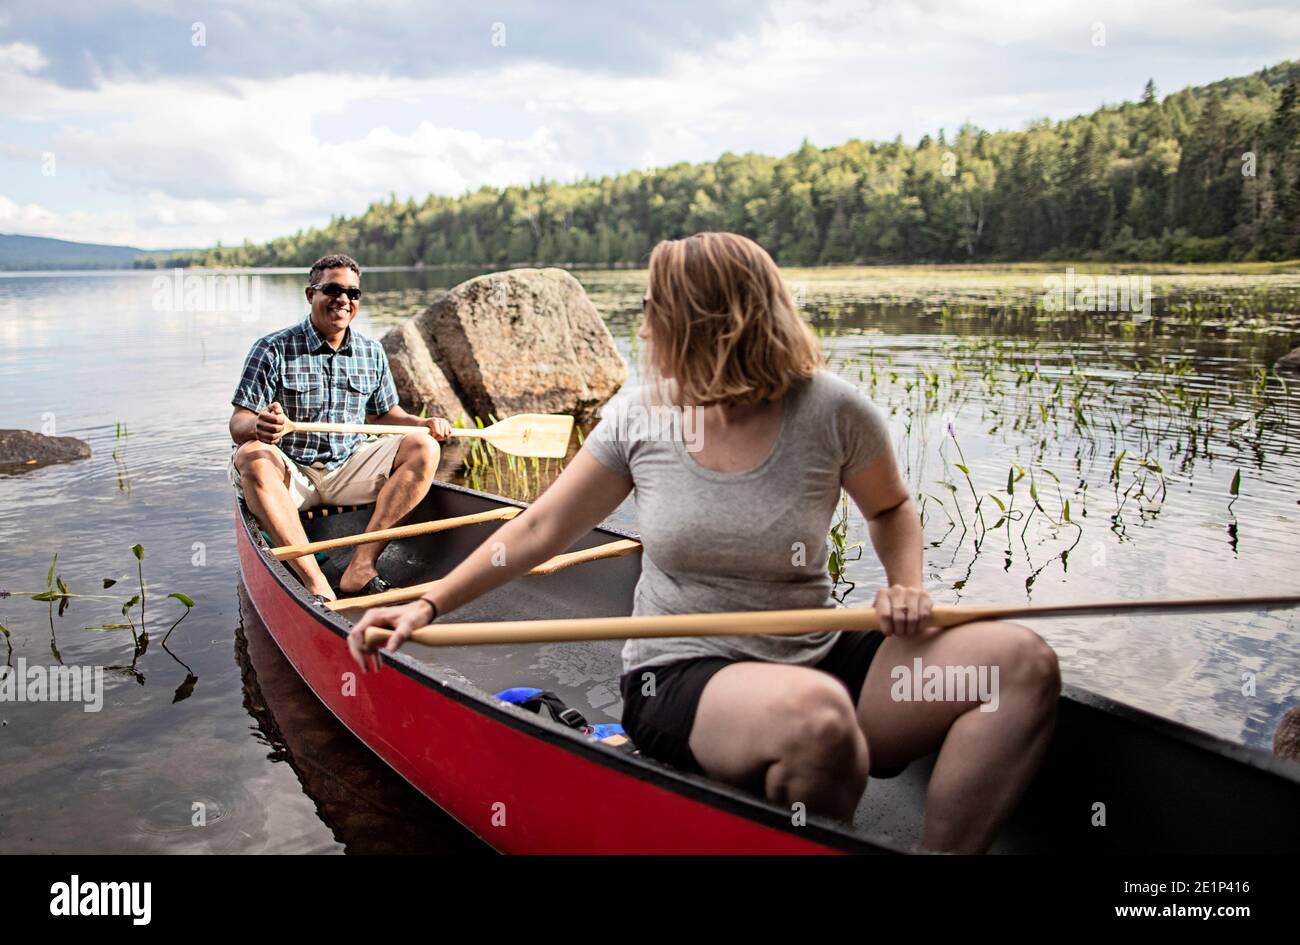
736	519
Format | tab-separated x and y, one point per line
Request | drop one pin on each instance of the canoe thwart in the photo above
400	595
289	552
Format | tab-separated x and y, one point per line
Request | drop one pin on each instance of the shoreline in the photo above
1283	267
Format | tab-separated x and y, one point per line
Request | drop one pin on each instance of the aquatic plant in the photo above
840	550
57	591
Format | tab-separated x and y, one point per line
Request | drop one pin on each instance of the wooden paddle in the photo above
783	622
398	595
544	435
289	552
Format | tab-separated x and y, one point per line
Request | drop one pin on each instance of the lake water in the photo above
1142	423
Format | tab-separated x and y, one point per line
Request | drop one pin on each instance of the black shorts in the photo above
660	726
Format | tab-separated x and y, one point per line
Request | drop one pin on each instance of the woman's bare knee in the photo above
822	757
1026	663
759	724
817	728
816	715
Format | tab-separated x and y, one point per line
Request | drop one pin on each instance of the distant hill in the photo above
1205	174
39	252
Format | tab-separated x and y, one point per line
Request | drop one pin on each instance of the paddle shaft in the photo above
538	435
784	622
398	595
289	552
374	429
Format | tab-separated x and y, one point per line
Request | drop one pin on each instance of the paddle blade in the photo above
544	435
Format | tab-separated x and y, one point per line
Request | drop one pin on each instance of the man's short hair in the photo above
333	261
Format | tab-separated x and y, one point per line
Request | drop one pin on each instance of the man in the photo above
320	370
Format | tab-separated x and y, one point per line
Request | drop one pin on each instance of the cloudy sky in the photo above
167	124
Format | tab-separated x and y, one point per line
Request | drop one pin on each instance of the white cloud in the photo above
202	163
27	217
32	219
174	161
21	57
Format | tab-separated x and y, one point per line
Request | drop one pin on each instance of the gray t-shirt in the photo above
753	540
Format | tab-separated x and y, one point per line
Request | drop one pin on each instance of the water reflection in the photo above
367	807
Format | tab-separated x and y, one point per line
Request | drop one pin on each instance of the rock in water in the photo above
21	450
1286	739
520	341
1290	362
421	383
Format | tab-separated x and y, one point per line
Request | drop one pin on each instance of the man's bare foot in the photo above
357	575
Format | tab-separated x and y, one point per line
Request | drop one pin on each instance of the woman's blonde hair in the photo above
723	326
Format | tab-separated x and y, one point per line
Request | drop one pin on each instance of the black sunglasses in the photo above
334	290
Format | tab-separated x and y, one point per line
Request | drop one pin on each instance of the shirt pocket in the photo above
303	397
354	391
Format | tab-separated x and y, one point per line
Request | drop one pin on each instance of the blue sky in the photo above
162	124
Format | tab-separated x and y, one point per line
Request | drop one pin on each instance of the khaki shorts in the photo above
356	481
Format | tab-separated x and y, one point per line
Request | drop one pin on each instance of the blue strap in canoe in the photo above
527	697
519	695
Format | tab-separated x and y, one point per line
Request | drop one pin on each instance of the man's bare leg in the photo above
413	471
265	480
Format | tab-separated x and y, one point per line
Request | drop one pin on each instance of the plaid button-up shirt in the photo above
316	384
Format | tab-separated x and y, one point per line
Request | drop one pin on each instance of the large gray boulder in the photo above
421	383
22	449
1290	362
520	341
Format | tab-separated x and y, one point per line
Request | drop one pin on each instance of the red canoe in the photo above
526	784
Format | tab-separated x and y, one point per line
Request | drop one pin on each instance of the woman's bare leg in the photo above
788	731
986	759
